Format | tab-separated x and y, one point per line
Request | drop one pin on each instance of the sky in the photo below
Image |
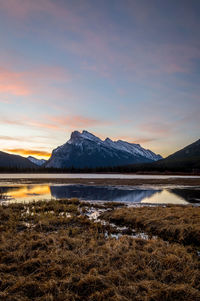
126	70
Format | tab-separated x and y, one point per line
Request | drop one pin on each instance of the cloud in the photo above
158	128
57	123
76	121
5	120
24	121
23	83
9	138
34	139
143	140
11	82
43	125
28	152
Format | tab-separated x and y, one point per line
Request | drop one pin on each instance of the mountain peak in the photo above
86	132
84	135
75	134
108	139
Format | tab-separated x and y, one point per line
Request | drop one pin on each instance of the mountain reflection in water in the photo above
99	193
153	195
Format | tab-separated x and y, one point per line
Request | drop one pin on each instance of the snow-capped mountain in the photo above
38	162
86	150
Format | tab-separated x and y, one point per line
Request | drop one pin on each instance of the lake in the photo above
161	194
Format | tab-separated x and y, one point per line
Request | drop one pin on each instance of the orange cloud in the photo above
43	125
28	152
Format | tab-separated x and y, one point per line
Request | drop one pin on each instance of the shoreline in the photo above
103	181
167	173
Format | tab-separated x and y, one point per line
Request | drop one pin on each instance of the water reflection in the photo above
191	195
25	192
101	193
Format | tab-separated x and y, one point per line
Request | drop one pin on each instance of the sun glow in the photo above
27	152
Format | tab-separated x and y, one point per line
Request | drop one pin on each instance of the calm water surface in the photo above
150	195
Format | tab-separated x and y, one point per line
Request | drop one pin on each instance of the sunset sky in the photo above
122	69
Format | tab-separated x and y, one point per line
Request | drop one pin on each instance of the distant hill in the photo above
184	160
187	158
9	161
86	150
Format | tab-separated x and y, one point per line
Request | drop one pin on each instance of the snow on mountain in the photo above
86	150
38	162
132	148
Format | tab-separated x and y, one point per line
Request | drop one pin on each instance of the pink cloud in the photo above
157	128
143	140
11	82
24	121
76	121
57	123
26	82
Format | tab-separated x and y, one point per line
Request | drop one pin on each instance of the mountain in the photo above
14	161
86	150
187	158
38	162
184	160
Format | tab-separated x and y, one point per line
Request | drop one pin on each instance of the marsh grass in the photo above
46	255
179	224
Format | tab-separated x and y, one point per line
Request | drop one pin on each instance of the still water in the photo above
149	195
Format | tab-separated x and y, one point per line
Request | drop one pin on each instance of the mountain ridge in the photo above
15	161
186	159
87	150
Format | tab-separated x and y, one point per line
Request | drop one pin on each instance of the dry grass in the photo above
173	223
47	254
